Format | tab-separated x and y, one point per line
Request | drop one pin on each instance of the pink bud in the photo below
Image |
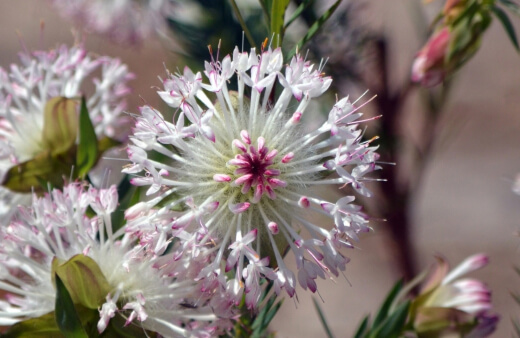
221	178
245	136
428	67
304	202
288	157
273	227
239	208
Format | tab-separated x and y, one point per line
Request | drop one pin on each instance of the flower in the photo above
41	76
448	303
429	65
456	38
123	21
243	168
142	288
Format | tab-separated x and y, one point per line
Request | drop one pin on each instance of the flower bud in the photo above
428	66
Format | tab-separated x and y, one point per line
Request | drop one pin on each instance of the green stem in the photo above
243	24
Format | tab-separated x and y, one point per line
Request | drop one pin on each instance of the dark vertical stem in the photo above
395	194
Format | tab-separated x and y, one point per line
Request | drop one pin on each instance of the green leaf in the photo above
87	154
516	297
382	314
432	321
360	332
42	327
466	14
127	197
393	326
116	329
84	280
516	326
512	6
66	316
508	26
33	173
272	312
277	18
314	28
60	125
298	11
322	318
106	143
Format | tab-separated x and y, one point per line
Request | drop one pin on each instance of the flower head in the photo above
143	288
41	76
123	21
244	167
448	303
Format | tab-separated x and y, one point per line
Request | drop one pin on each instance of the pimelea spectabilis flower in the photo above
123	21
243	169
27	87
448	303
429	67
145	289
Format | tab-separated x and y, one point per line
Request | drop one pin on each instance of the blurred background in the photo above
464	204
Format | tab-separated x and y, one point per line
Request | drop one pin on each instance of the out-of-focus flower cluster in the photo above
39	101
123	21
457	36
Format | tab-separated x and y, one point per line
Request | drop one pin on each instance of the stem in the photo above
243	24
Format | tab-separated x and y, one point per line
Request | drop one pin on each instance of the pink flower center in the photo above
253	168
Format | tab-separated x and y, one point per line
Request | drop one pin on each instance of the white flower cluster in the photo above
25	90
145	288
243	168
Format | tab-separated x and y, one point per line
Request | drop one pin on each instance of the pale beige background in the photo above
466	204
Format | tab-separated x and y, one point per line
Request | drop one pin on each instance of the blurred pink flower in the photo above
449	303
26	88
123	21
428	68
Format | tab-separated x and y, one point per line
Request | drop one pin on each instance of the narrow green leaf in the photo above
266	7
272	312
41	327
323	320
516	297
259	320
315	27
467	13
382	314
65	313
508	26
60	125
516	326
126	192
84	280
278	8
512	6
87	154
393	326
360	332
243	24
298	11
